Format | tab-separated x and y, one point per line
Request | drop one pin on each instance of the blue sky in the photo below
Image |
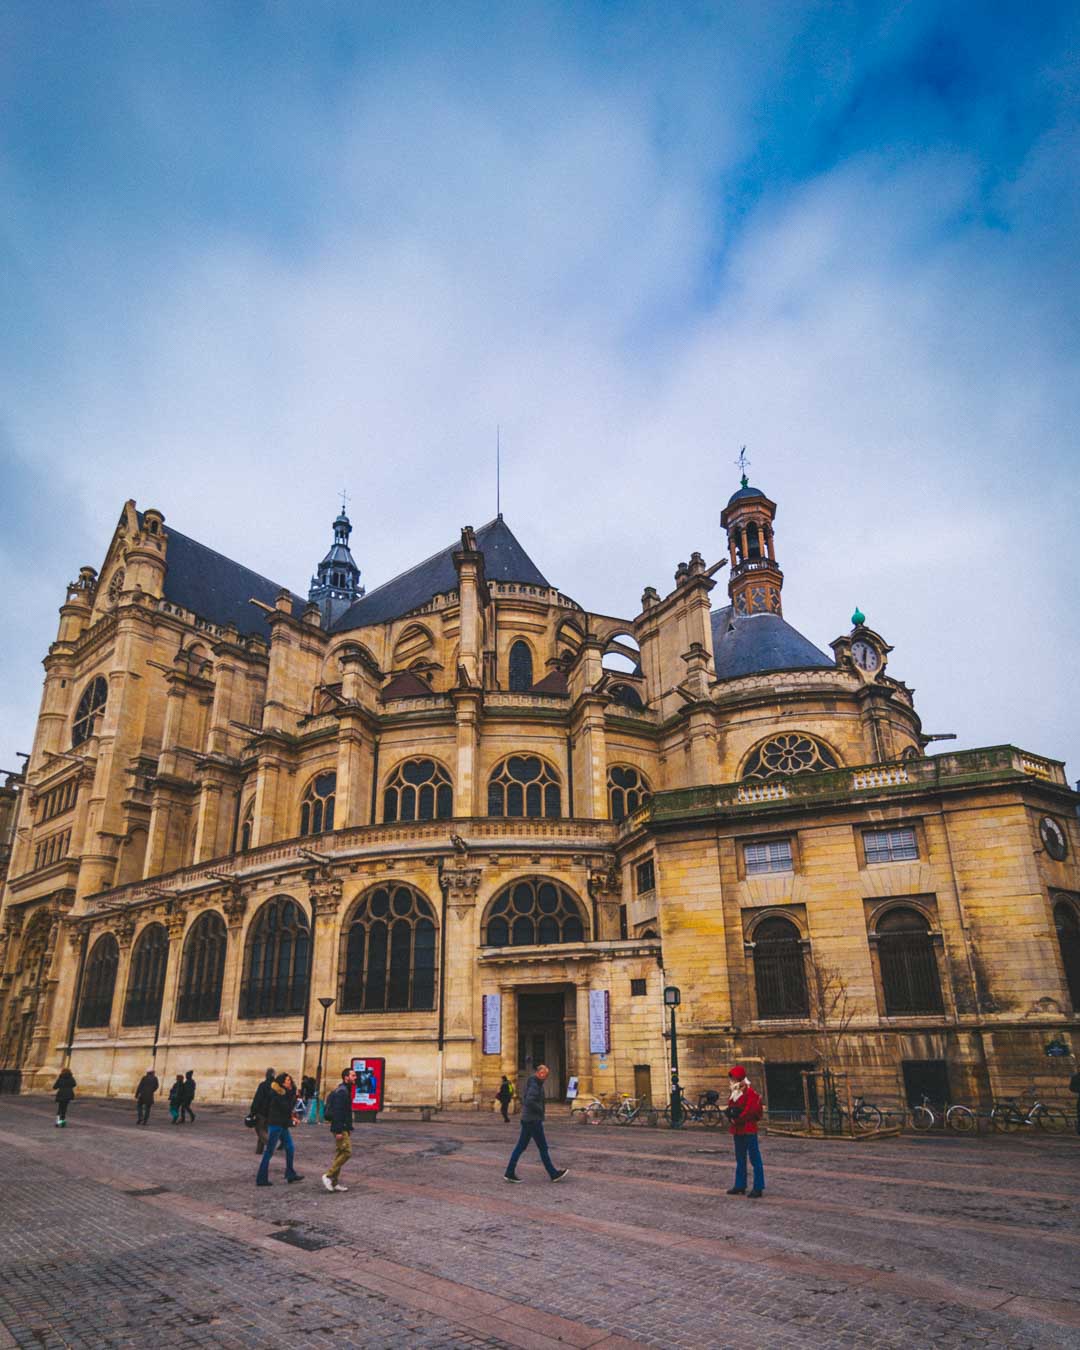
251	253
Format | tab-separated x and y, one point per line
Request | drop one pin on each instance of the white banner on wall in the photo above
599	1022
493	1024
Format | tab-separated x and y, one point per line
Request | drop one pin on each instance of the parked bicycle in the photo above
865	1116
705	1111
633	1110
927	1116
1010	1114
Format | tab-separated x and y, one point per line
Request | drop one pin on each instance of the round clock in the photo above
1053	837
865	655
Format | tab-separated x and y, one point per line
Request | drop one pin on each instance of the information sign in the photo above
369	1085
493	1024
599	1022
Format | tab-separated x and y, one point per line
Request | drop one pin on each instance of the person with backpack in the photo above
744	1110
279	1117
339	1106
64	1087
260	1110
176	1098
187	1097
144	1096
504	1097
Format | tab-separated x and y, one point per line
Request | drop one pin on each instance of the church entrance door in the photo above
542	1039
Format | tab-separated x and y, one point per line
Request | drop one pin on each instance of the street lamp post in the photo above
672	999
327	1004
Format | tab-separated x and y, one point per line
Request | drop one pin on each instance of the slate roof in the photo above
757	643
504	560
744	492
405	685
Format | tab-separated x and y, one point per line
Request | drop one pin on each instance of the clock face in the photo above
1053	837
865	656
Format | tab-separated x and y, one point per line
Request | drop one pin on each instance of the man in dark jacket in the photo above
144	1095
1074	1086
532	1128
339	1106
260	1109
187	1097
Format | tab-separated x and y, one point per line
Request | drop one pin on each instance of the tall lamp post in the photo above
327	1004
672	999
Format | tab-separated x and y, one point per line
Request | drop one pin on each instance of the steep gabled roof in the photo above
504	560
755	643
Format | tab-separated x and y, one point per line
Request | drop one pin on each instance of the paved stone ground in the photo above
112	1235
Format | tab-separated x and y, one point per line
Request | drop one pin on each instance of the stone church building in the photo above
491	826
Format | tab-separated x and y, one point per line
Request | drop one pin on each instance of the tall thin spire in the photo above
498	471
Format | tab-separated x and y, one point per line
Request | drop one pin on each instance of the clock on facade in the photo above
865	656
1053	837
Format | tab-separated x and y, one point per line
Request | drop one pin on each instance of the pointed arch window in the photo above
909	972
389	953
534	912
779	970
524	785
247	824
277	961
418	789
95	1006
146	981
521	666
202	970
317	808
91	706
1067	923
627	790
787	755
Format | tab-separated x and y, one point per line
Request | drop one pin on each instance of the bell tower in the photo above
755	579
336	584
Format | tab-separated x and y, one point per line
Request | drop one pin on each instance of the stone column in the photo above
124	932
176	925
235	906
461	1072
468	798
509	1064
583	1068
325	893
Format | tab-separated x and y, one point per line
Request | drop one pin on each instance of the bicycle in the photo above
632	1109
924	1117
864	1116
1009	1114
706	1111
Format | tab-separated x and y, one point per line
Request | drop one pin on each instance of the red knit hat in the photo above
738	1072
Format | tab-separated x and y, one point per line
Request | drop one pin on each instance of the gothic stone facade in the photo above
473	814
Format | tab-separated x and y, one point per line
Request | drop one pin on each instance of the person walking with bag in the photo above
144	1096
504	1097
187	1096
260	1110
64	1087
744	1110
532	1128
339	1106
279	1117
176	1098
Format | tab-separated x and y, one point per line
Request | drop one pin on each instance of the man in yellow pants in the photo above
339	1108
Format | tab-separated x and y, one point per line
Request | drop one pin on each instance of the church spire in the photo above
755	579
336	584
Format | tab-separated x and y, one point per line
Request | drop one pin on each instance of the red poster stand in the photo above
368	1088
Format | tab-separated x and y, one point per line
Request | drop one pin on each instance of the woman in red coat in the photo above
744	1112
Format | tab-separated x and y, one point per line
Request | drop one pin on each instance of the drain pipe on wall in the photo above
442	987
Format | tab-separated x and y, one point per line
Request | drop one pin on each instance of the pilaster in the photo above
460	884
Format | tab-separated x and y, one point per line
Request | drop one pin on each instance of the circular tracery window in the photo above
116	585
789	754
533	912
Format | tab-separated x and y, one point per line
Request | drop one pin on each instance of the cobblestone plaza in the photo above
112	1236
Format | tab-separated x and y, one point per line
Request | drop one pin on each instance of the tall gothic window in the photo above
909	973
389	953
202	970
146	979
524	785
521	671
789	754
533	912
317	808
277	962
1068	935
247	824
91	706
99	982
418	789
779	971
627	790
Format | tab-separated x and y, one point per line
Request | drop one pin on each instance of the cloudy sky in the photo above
252	253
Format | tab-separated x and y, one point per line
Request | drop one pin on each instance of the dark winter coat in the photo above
176	1094
505	1092
281	1104
260	1103
339	1107
148	1085
1074	1083
187	1094
532	1101
64	1087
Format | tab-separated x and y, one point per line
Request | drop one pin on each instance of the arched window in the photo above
389	953
276	967
317	808
95	1007
1068	934
91	706
521	672
524	785
626	696
909	973
627	790
418	789
779	970
784	756
146	977
247	824
533	912
202	970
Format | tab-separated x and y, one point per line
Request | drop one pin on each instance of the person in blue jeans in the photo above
279	1118
744	1110
532	1128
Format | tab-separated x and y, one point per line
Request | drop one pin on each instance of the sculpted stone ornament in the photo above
124	930
605	883
325	897
460	885
235	906
175	919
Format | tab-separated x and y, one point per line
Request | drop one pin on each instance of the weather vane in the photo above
344	498
742	464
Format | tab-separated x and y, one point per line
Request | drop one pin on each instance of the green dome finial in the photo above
744	481
858	617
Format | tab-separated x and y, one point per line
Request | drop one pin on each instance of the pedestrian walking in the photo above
260	1109
144	1096
339	1104
1074	1086
187	1096
532	1128
744	1111
64	1087
279	1117
504	1097
176	1098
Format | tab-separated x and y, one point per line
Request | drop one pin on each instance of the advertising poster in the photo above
370	1081
493	1024
599	1022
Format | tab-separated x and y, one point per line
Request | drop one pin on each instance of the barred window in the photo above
52	849
524	785
277	964
146	980
637	988
317	808
91	706
389	953
418	789
1068	935
771	855
890	845
779	970
784	756
521	667
645	876
534	912
909	973
627	790
202	970
95	1006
